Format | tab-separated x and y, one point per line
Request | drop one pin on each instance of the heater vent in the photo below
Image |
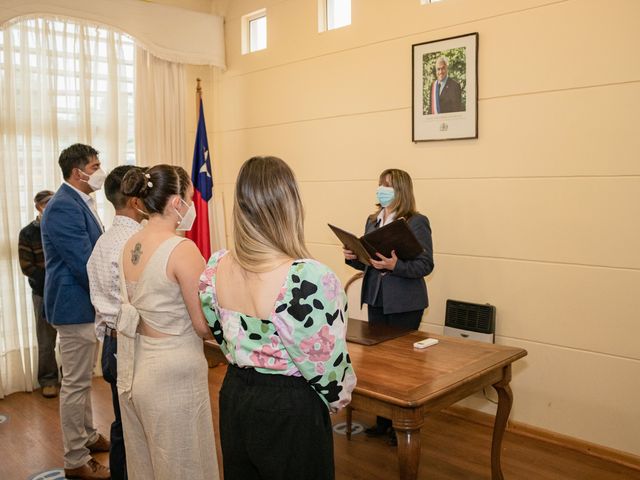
471	316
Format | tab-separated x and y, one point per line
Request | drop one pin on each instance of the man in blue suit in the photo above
70	228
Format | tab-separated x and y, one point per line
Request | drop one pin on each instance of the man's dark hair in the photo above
42	196
112	186
75	156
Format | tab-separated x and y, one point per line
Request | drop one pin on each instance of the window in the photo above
333	14
254	31
61	82
48	71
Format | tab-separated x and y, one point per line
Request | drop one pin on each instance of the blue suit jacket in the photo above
404	289
69	232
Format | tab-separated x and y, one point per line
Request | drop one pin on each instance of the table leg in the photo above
349	418
505	400
408	451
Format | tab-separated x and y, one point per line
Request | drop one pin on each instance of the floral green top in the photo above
303	336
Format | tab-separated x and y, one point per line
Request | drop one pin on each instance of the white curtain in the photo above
61	82
160	111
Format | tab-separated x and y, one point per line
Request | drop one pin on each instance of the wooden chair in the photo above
213	354
353	288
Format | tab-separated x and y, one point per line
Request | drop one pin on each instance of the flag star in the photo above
203	168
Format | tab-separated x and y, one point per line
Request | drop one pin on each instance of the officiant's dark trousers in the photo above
409	320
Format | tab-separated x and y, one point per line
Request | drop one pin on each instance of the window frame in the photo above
323	16
246	31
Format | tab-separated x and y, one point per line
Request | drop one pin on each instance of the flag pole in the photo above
198	98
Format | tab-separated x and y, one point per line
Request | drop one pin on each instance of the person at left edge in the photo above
70	228
104	282
32	265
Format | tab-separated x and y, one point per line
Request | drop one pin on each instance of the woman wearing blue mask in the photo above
393	289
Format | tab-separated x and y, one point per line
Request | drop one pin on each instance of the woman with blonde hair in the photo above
280	319
394	289
162	372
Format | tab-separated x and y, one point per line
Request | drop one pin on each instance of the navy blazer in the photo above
69	232
450	98
403	289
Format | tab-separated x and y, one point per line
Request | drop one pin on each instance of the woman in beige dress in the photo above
162	371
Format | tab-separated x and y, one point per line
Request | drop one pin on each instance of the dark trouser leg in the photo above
46	334
376	317
117	457
273	427
235	455
409	320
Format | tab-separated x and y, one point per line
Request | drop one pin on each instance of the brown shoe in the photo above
50	391
92	470
100	445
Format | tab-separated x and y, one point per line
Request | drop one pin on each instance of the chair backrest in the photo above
353	288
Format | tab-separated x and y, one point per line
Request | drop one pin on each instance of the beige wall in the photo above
202	6
539	216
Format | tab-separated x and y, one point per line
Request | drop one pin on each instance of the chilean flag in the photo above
203	189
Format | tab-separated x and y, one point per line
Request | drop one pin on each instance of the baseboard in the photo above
518	428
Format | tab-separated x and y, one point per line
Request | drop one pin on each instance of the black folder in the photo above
394	236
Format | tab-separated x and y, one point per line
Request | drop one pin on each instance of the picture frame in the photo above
448	66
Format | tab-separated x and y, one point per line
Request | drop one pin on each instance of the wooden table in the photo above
404	384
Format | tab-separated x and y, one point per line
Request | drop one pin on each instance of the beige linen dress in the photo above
163	382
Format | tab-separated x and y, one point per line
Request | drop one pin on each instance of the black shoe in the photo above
376	431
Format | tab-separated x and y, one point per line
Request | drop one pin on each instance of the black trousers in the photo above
405	319
46	335
117	457
273	427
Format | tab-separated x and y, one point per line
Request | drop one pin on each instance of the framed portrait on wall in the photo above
445	89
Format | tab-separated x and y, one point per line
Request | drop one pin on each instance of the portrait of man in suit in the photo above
446	93
445	89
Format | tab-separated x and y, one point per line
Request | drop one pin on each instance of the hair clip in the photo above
149	184
147	176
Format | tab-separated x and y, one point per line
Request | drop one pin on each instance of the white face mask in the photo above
186	222
96	179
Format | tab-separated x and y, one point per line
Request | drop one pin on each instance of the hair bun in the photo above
136	183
